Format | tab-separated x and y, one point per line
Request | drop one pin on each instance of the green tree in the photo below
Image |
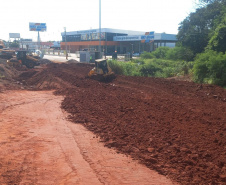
218	35
194	31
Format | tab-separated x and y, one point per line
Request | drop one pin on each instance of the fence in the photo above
56	52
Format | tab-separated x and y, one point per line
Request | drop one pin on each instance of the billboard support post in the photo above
38	41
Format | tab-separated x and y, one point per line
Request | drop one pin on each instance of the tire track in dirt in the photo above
39	146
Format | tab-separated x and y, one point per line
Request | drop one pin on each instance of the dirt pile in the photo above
8	72
57	76
72	61
177	128
44	61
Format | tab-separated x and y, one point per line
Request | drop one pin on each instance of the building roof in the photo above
109	30
130	35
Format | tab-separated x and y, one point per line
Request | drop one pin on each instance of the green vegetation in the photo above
210	67
200	51
155	64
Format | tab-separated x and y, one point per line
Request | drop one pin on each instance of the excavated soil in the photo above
176	128
8	75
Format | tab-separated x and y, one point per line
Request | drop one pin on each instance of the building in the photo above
122	41
31	45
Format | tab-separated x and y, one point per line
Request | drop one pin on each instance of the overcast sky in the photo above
139	15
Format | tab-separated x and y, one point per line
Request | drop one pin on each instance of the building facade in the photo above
122	41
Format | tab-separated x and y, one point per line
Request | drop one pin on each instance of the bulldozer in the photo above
101	72
23	59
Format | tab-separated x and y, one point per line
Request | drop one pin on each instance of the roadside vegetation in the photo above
200	51
155	64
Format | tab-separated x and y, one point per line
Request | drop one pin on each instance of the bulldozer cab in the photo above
21	55
101	64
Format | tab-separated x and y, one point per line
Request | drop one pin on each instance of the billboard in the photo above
127	38
92	36
14	35
37	26
148	37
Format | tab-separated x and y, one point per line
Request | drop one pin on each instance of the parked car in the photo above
136	54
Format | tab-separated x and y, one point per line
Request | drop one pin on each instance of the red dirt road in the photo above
39	146
176	128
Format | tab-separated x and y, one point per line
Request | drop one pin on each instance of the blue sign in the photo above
37	26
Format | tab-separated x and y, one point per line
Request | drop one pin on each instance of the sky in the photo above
138	15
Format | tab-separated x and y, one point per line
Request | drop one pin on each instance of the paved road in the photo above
61	58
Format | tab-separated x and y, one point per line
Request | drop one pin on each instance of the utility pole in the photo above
65	41
99	25
132	51
38	41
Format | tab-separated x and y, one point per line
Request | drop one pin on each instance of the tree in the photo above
218	35
194	31
14	44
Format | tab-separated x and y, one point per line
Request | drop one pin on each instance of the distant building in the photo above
29	44
56	45
112	40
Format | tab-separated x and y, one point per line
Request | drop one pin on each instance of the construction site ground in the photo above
60	127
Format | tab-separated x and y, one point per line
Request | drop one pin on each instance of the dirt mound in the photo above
177	128
3	61
45	61
8	72
7	75
72	61
57	76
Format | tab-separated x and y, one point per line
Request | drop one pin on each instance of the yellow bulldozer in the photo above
22	58
101	72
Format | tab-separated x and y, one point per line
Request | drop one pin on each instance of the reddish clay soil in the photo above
176	128
39	146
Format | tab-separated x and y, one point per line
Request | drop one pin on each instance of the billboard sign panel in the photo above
37	26
92	36
146	38
14	35
127	38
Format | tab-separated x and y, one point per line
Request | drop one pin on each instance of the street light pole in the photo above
132	51
99	25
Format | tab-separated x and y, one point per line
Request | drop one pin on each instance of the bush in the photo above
177	53
116	67
147	55
161	52
210	67
149	68
180	53
124	68
164	68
